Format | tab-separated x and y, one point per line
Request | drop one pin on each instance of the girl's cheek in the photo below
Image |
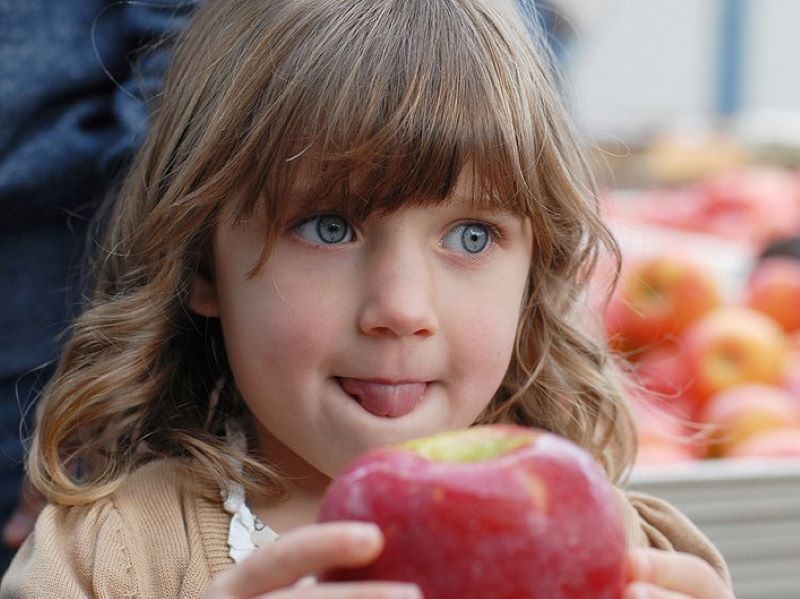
486	341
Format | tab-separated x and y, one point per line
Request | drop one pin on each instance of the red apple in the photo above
739	413
731	346
492	511
774	289
771	444
658	297
664	376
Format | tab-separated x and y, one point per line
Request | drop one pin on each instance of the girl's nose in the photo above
399	296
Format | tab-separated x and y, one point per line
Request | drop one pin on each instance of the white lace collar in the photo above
246	532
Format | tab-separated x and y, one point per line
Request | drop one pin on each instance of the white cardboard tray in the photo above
749	510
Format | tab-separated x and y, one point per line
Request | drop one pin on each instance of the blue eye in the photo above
325	229
471	238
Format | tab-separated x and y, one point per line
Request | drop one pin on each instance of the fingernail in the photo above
641	593
636	591
366	535
409	591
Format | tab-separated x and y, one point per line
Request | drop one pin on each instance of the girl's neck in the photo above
306	487
282	516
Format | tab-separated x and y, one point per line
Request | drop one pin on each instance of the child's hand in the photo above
658	574
273	570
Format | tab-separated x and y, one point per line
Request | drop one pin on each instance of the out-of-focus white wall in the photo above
772	76
640	64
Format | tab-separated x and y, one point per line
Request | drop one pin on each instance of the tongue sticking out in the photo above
384	399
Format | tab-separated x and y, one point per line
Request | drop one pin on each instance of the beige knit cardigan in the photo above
155	538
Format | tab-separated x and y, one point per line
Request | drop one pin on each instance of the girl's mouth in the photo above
382	398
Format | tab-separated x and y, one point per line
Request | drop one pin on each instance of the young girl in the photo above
355	222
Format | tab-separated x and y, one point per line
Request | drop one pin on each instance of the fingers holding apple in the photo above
278	567
655	573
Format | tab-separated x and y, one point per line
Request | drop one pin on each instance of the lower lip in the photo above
382	399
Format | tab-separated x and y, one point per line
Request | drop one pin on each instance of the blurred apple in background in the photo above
663	374
657	298
664	439
739	413
733	345
740	228
791	376
660	454
771	444
794	342
774	289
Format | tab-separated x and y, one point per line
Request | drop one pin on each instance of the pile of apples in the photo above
712	378
754	205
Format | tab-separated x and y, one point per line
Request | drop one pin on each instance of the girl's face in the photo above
356	335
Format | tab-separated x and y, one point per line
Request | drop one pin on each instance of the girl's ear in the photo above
203	297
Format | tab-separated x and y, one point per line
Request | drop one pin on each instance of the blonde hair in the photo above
400	97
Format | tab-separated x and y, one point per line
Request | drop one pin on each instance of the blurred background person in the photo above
75	80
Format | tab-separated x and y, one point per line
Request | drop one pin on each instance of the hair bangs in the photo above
390	120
